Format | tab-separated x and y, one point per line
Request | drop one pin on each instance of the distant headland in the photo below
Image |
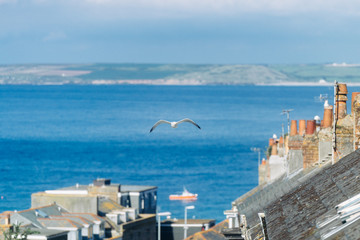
180	74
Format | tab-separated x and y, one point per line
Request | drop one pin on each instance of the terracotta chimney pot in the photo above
311	126
342	89
302	127
281	140
328	117
271	141
293	128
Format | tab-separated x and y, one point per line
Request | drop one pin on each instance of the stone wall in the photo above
295	156
310	150
72	203
263	173
344	137
356	119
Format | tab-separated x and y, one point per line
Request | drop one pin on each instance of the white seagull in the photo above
174	124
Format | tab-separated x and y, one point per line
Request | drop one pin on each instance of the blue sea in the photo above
57	136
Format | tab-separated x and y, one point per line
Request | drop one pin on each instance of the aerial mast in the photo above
287	112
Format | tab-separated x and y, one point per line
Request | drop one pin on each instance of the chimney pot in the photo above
328	117
342	89
311	126
302	127
293	128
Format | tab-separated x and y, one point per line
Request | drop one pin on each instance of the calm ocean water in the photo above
56	136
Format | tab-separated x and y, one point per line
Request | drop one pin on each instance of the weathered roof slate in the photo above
106	205
255	201
90	216
296	214
59	223
213	233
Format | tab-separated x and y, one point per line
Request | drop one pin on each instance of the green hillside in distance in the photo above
349	73
179	74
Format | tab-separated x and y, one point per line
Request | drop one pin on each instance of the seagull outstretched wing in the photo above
158	123
188	120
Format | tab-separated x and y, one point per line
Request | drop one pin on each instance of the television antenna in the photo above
287	112
321	98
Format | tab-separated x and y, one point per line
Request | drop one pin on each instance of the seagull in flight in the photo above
173	124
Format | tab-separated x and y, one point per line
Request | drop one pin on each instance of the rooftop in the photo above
123	188
213	233
45	232
297	214
189	221
59	223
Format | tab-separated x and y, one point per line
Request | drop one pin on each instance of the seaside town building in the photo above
54	222
128	209
101	210
309	186
92	198
98	211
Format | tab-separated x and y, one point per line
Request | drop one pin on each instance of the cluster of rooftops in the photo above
88	212
309	186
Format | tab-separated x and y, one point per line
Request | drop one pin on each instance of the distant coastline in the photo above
180	74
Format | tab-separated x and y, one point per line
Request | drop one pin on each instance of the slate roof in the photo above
78	219
46	232
30	216
90	216
106	205
213	233
59	223
257	199
297	214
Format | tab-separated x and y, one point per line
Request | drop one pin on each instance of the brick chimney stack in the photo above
274	149
353	96
341	99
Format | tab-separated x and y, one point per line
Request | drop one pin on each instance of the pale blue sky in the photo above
179	31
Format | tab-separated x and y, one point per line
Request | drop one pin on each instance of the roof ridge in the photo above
63	219
35	208
91	214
